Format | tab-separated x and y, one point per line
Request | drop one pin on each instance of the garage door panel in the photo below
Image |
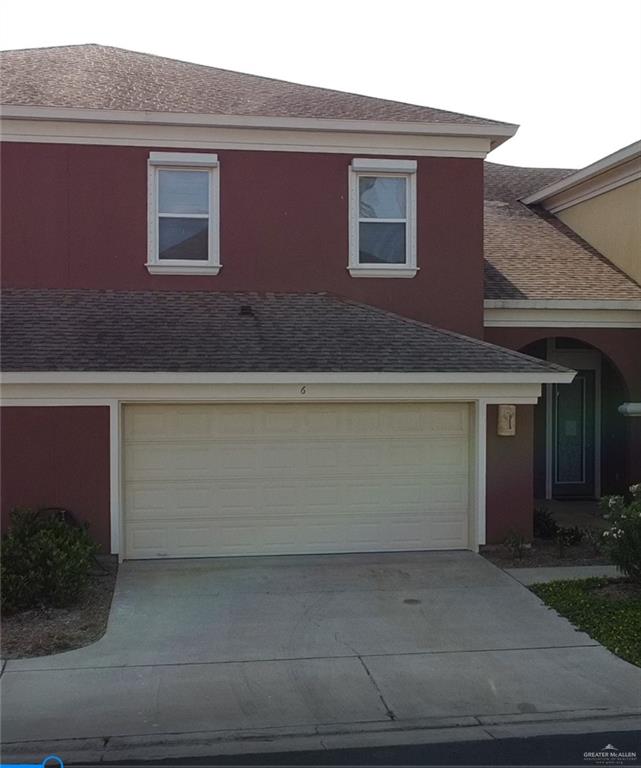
291	420
148	539
251	479
280	538
450	495
323	456
430	454
378	495
160	458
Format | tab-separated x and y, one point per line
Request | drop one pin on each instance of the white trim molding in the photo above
183	159
479	462
69	125
382	165
47	392
382	168
562	313
198	164
250	139
467	378
605	174
115	475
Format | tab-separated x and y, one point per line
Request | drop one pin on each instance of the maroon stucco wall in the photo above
509	477
76	216
57	457
622	346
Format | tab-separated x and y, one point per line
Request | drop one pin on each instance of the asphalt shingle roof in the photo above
92	330
102	77
531	254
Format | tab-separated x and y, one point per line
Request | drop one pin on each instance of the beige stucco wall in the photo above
611	222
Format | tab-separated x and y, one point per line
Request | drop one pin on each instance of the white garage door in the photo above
273	479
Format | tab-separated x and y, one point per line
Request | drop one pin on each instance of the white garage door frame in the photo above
116	390
477	445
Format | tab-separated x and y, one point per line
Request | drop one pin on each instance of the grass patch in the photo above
609	610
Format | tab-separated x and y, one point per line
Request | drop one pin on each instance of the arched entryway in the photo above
580	438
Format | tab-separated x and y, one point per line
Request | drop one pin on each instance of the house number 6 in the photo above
303	390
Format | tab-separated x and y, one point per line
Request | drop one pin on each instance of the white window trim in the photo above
382	167
181	161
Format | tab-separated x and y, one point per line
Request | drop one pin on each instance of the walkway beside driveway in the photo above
543	575
254	648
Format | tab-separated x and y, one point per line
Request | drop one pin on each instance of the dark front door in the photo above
573	407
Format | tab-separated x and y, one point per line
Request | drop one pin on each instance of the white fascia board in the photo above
557	314
154	378
605	182
498	132
595	169
48	395
596	304
185	137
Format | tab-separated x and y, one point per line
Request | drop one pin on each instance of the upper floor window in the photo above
183	214
382	218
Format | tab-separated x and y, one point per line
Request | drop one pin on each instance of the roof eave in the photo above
549	374
497	133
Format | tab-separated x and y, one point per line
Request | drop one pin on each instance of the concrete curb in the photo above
335	736
543	574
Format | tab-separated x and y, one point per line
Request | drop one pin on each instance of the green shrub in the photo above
568	537
595	539
517	544
545	526
623	538
45	561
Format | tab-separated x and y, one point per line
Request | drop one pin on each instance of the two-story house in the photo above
245	316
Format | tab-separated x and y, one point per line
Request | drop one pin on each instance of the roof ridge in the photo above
530	167
53	47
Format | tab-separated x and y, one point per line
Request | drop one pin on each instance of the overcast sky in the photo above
568	71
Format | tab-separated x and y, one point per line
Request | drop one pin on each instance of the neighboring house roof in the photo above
102	77
205	331
602	166
530	254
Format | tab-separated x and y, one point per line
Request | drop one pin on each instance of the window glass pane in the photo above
381	197
381	243
570	431
183	239
183	191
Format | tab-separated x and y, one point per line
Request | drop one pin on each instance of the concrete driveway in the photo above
312	645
